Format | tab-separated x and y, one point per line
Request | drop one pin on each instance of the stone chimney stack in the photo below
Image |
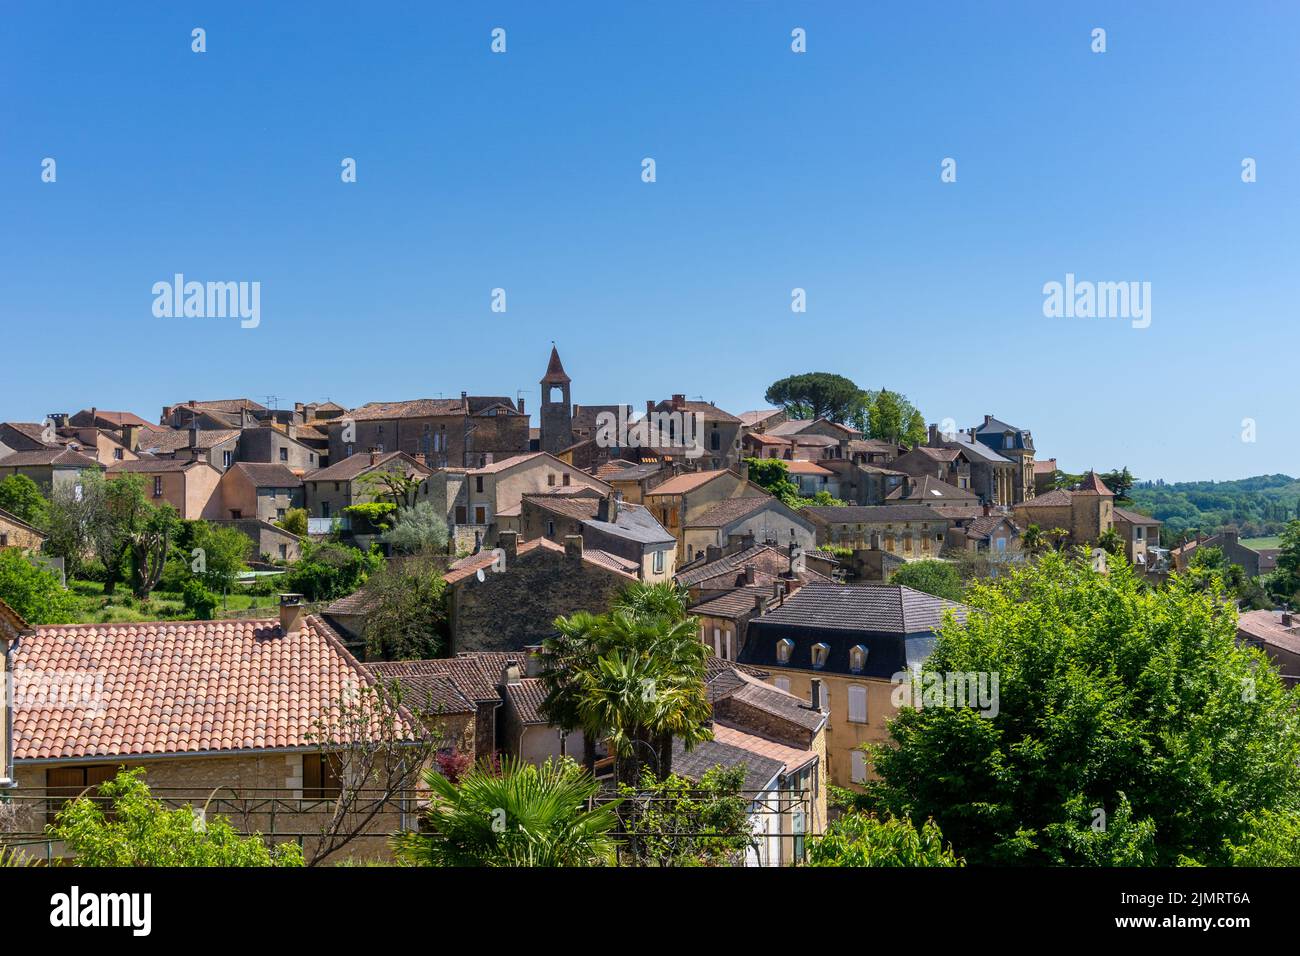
533	660
608	508
291	613
511	673
374	456
749	574
573	547
679	402
815	695
934	436
194	434
508	541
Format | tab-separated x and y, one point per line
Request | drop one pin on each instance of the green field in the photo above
1273	542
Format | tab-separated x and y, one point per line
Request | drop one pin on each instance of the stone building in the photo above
468	432
1014	444
1085	512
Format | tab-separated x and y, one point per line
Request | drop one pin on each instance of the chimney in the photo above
759	601
374	456
607	510
815	697
131	436
744	469
711	553
749	574
987	419
194	435
511	674
934	435
988	508
1286	618
291	613
508	541
94	416
533	662
679	402
778	590
649	410
573	546
464	403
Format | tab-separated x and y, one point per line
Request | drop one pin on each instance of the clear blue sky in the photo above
775	170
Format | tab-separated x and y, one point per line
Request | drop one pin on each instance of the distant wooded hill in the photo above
1257	507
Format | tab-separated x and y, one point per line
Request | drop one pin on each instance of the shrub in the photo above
198	600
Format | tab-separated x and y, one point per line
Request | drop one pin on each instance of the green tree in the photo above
406	611
22	498
939	578
889	416
398	483
525	815
816	395
134	829
678	822
861	839
198	601
295	522
142	530
419	528
218	553
78	526
1120	483
1284	582
1111	541
330	570
773	476
1116	703
1033	541
34	592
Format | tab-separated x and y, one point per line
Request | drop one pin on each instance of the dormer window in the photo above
820	652
858	658
784	648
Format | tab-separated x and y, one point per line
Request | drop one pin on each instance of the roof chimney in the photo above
508	541
759	601
679	402
573	546
374	456
815	696
533	662
1286	618
291	613
749	574
511	674
607	510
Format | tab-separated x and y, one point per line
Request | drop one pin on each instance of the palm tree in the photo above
634	676
525	815
1033	541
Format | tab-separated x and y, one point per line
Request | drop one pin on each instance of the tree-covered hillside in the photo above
1256	506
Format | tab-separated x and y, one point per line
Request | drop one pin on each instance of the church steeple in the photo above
557	414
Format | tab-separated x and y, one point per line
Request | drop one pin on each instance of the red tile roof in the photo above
686	483
172	687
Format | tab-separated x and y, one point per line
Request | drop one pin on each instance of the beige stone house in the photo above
910	531
212	710
256	490
1084	512
680	500
16	533
50	468
605	523
329	491
842	646
497	490
760	517
1140	533
192	487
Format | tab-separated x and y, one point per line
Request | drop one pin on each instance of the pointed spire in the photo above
1092	485
555	370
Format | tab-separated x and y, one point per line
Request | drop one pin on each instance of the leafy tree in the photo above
295	522
1121	709
816	395
1272	839
406	611
861	839
22	498
198	601
940	578
1033	541
34	592
1120	483
398	483
144	530
677	822
330	570
371	516
138	830
419	528
773	476
78	527
524	815
1284	582
889	416
223	550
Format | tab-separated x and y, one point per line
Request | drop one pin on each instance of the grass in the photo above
1273	542
122	607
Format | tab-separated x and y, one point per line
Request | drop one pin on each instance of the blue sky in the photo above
775	170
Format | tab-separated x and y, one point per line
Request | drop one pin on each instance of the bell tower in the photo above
556	413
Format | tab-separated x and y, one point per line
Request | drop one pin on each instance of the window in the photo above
284	454
320	776
279	514
550	528
284	552
819	654
478	484
235	513
67	783
717	642
566	480
117	454
336	486
157	486
227	458
324	509
784	648
348	452
4	539
715	441
460	514
783	683
859	771
659	562
857	704
550	480
858	658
